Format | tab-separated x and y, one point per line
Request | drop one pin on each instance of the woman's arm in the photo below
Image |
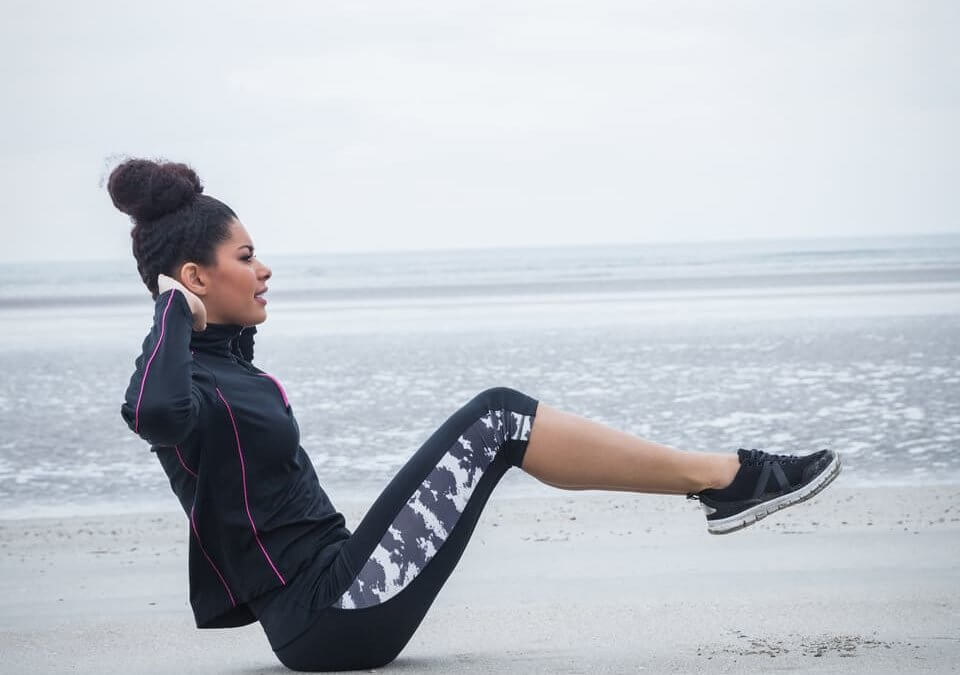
162	405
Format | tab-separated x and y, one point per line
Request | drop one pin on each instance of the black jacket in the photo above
226	436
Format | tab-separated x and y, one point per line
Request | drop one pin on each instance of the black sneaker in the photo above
764	484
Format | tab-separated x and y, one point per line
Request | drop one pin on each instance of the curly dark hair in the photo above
173	221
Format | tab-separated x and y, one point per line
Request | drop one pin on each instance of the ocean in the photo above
787	345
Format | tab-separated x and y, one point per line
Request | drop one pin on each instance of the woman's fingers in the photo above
197	308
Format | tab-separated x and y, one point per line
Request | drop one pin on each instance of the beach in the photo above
857	579
718	347
713	230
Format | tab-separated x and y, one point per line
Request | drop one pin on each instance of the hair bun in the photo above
146	190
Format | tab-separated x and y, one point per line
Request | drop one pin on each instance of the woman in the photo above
266	543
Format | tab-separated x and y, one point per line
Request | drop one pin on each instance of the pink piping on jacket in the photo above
184	464
193	524
246	501
279	386
163	328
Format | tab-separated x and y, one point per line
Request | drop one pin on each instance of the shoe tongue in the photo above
743	454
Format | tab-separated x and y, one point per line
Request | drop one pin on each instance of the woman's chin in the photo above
260	316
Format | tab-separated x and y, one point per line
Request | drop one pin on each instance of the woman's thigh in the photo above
410	540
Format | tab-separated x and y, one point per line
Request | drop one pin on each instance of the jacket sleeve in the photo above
162	404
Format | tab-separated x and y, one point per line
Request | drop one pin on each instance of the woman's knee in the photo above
505	398
515	411
494	393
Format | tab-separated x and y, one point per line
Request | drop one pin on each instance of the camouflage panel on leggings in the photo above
432	510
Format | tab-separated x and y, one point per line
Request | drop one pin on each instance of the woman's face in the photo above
227	289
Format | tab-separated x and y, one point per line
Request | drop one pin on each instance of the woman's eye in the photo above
246	257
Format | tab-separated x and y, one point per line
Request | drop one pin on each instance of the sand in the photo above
863	580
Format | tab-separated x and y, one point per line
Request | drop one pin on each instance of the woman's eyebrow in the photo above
246	246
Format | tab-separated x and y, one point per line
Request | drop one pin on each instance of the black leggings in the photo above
385	576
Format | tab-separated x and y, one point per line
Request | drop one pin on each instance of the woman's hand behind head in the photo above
199	310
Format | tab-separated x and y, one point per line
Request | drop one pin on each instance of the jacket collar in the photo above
225	339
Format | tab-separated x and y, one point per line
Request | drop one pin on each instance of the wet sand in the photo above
856	580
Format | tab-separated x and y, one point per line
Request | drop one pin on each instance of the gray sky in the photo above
381	125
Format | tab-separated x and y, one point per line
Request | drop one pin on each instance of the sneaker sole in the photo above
755	513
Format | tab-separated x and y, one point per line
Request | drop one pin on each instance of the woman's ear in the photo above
193	277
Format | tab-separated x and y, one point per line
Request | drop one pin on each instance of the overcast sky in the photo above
383	125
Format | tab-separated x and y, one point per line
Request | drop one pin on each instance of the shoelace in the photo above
755	456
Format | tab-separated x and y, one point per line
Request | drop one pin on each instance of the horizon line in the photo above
448	249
